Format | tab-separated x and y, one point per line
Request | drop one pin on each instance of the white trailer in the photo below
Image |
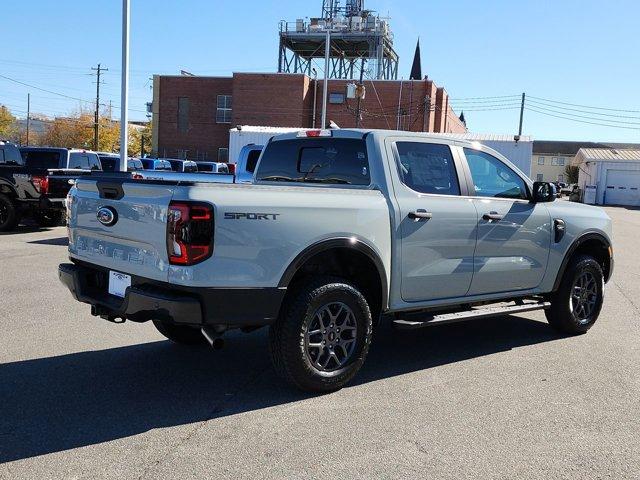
247	135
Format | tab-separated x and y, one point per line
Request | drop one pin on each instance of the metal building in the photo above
609	176
359	39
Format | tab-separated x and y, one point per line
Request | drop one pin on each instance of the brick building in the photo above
192	115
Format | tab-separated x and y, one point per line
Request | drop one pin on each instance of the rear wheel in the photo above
181	334
322	336
576	305
8	214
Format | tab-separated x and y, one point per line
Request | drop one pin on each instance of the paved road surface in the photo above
500	398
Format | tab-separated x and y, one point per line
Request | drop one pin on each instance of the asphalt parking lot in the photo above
497	398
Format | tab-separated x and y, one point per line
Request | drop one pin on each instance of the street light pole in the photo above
315	96
124	88
325	86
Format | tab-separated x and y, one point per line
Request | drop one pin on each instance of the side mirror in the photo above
544	192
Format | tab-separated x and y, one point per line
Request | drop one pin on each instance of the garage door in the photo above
622	187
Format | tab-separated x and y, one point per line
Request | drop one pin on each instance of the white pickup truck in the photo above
339	230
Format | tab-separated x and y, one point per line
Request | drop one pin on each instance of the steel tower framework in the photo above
357	36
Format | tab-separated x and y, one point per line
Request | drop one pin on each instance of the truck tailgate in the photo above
136	241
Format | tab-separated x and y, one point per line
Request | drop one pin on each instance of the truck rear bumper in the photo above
151	300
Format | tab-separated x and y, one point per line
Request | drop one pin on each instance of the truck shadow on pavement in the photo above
65	402
60	242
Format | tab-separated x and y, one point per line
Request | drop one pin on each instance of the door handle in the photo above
420	215
492	216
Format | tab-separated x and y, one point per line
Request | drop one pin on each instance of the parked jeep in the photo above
340	230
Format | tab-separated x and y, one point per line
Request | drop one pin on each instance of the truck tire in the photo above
9	217
49	218
576	304
322	336
181	334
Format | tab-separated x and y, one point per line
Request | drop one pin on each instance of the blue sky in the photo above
585	53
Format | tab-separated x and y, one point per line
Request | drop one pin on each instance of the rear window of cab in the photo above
333	161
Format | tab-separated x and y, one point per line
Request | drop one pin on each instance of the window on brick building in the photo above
223	111
183	114
223	155
540	160
336	98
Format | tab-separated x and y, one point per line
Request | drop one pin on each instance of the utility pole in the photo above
96	124
521	116
360	93
28	115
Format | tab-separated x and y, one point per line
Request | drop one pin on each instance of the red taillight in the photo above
136	176
41	184
189	233
232	168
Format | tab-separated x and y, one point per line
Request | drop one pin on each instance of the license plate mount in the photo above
118	283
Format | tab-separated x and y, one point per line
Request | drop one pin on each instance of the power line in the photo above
484	98
580	121
586	106
543	104
60	94
575	115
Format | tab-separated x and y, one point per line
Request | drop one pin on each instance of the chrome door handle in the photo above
492	216
420	215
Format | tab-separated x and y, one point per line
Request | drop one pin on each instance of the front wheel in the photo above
9	217
576	305
322	336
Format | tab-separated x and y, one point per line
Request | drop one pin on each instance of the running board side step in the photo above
443	318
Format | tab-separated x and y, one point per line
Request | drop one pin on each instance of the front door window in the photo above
492	178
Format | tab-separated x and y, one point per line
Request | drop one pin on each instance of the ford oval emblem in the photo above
107	216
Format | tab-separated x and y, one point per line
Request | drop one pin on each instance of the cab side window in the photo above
10	155
427	168
492	178
94	162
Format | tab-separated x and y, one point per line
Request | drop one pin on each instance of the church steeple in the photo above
416	68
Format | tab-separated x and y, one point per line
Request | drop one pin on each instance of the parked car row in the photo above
34	181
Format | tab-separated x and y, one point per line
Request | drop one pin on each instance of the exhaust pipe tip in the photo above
213	338
218	343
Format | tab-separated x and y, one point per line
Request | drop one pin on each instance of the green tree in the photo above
8	126
572	172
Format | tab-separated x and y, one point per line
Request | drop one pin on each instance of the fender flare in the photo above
11	186
338	242
572	249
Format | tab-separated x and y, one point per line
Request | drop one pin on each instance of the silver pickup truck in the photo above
341	229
